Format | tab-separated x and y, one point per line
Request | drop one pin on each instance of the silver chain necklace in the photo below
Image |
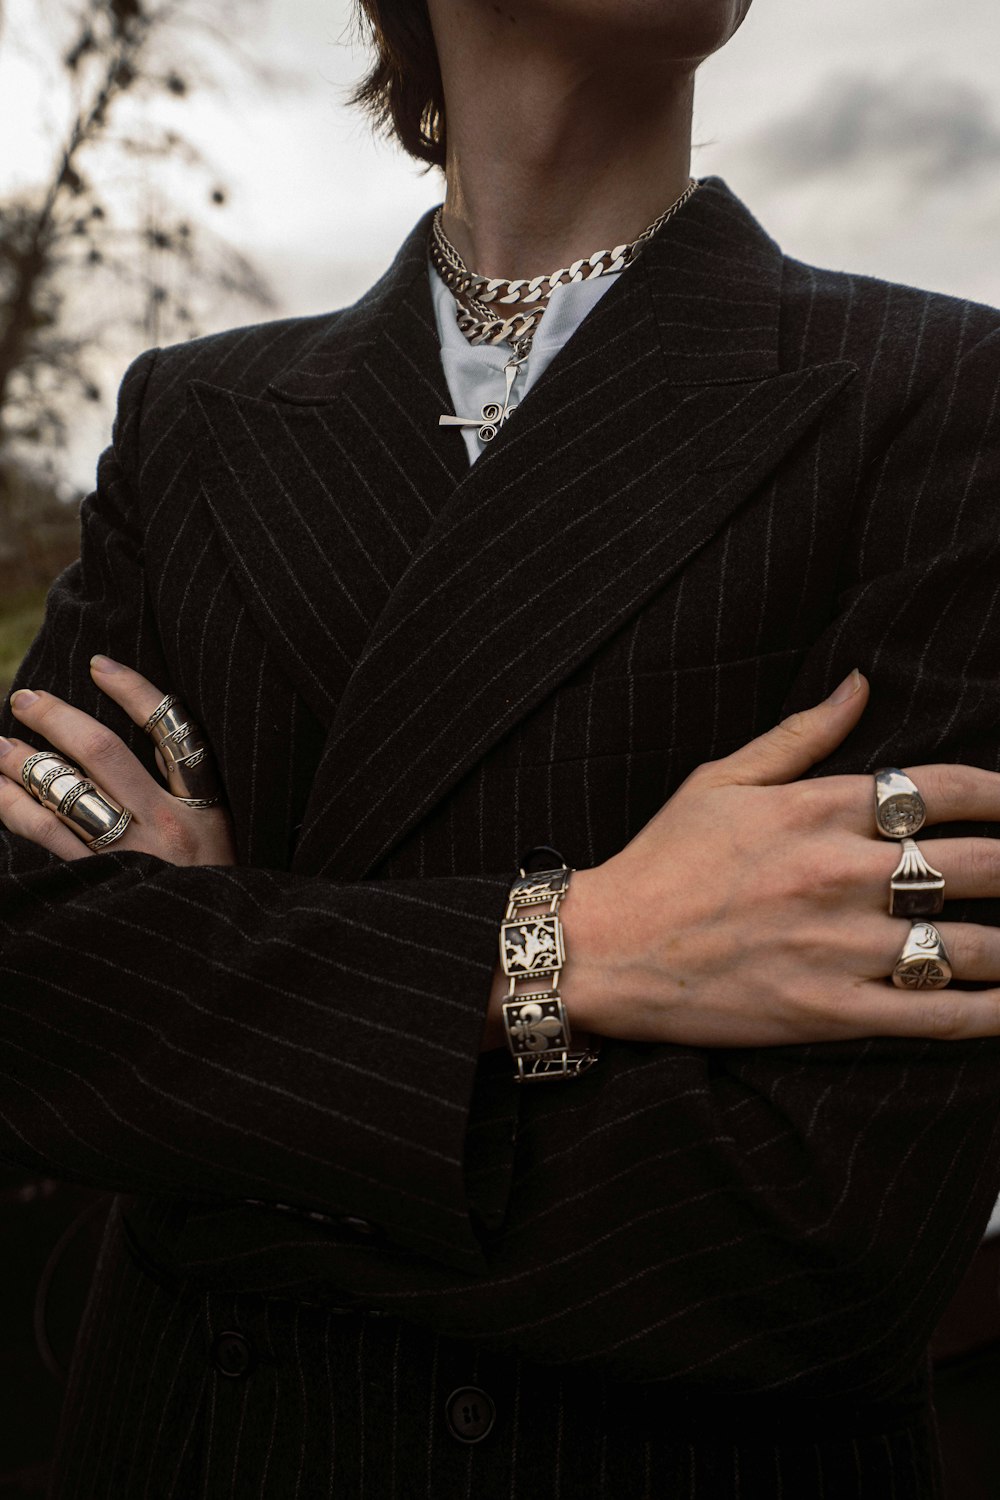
478	298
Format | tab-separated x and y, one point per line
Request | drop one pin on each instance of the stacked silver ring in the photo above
190	770
75	800
916	889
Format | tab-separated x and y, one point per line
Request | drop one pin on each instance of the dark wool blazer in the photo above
344	1244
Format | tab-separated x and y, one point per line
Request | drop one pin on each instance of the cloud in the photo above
933	130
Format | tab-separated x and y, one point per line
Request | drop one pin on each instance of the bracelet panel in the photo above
531	945
536	1023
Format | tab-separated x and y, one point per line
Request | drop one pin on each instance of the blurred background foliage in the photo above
119	242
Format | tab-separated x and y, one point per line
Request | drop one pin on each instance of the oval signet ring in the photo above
899	807
916	888
923	963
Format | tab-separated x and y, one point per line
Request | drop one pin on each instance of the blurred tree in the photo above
111	239
107	248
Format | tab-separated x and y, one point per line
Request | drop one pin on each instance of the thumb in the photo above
788	750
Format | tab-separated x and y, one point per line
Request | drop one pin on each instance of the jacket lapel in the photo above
323	488
657	420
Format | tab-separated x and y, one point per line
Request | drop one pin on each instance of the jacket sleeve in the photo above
787	1218
231	1034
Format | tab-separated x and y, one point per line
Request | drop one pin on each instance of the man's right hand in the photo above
752	909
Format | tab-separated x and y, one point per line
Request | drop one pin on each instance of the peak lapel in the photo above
322	488
656	421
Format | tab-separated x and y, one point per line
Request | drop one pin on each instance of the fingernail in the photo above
5	745
104	664
847	688
23	698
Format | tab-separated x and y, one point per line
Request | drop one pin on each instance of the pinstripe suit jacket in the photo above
692	1272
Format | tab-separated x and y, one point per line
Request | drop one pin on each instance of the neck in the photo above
552	157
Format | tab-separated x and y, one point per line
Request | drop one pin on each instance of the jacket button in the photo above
470	1414
232	1355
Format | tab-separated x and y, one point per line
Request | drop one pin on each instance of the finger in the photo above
955	793
971	867
129	689
973	950
788	750
21	814
947	1015
951	793
88	744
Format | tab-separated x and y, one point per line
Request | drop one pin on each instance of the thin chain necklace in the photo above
478	298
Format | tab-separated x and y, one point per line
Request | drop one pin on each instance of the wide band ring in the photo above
190	770
900	811
916	889
91	813
43	764
923	962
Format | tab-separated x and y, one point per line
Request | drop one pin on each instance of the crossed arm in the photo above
204	1031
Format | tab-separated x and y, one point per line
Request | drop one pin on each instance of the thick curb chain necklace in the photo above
478	299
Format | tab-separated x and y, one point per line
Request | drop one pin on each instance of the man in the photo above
352	1254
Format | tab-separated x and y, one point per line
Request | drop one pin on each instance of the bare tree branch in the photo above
79	240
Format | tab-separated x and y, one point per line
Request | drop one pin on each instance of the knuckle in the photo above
834	874
704	772
976	949
943	1016
984	863
947	784
174	835
793	728
99	745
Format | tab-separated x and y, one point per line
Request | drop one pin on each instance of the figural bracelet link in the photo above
532	954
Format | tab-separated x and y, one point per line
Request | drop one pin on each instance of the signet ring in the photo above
916	888
899	808
923	963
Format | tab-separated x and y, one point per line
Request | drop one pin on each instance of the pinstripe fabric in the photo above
692	1273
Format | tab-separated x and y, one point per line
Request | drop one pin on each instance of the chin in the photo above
672	28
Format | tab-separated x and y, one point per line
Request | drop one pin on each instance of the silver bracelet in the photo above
532	950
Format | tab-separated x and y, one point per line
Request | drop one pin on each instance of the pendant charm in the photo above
493	415
489	423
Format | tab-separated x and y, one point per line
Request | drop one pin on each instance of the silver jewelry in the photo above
113	834
531	949
916	888
37	766
190	771
478	297
923	963
899	808
91	813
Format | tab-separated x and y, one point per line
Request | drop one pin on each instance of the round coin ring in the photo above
899	808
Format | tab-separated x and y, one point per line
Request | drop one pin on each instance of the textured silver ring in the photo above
916	888
923	962
113	834
900	811
161	708
187	762
27	780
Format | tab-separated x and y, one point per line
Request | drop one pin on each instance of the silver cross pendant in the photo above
493	415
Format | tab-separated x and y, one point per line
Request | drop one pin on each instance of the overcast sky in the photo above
865	135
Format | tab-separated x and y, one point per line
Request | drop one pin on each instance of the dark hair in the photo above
403	92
